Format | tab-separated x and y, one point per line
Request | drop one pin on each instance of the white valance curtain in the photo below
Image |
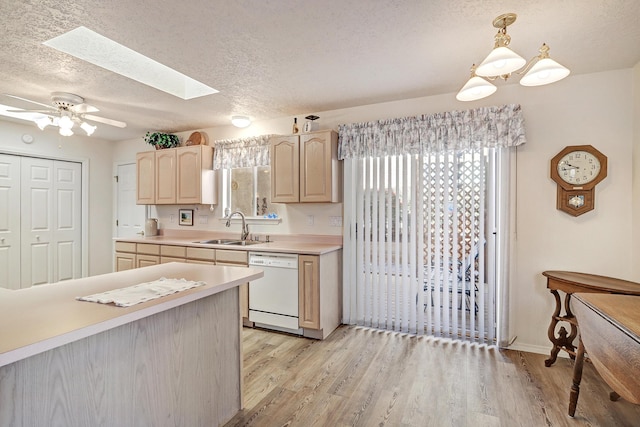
486	127
242	152
422	222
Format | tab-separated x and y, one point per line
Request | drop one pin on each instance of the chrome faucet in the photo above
245	227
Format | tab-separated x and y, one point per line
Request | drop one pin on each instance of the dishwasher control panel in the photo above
269	259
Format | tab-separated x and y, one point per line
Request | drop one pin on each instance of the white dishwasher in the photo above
273	299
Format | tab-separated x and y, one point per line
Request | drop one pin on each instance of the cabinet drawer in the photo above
232	257
166	259
199	261
125	247
173	251
205	254
148	249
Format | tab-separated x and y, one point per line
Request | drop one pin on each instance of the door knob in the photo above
37	237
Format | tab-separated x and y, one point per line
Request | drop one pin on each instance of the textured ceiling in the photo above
274	58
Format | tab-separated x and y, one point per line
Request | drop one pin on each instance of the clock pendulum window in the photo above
576	170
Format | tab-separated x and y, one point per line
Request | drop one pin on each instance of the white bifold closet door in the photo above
50	221
9	222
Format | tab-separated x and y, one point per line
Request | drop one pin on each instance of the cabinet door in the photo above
243	293
143	260
125	261
285	169
165	176
319	167
145	178
309	291
189	173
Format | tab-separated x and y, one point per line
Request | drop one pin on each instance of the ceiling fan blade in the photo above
33	111
28	100
111	122
84	108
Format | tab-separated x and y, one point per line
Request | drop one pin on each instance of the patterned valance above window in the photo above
499	126
242	152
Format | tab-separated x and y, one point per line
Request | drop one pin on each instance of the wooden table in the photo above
571	282
610	334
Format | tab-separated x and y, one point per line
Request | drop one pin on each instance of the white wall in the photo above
591	109
48	143
636	172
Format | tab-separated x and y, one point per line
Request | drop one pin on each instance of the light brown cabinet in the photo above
182	175
319	279
132	255
146	178
237	259
319	293
165	177
305	168
170	253
308	291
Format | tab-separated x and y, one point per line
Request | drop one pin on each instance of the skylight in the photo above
103	52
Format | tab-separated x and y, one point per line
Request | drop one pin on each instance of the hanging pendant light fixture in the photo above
502	62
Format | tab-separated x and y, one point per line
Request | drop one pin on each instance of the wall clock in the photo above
576	170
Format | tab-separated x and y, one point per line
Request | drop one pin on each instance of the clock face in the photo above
578	167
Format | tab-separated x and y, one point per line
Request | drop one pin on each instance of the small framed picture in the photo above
186	216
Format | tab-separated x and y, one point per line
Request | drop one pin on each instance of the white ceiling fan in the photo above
66	111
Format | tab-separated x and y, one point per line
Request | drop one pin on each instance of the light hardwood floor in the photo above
360	377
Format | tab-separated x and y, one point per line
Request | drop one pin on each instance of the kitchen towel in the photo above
132	295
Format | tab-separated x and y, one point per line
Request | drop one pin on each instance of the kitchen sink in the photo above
217	241
242	243
231	242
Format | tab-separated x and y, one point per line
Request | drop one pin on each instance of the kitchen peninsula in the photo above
175	360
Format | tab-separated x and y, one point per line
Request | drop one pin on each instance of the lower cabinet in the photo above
319	279
125	261
308	291
170	253
135	255
237	259
320	293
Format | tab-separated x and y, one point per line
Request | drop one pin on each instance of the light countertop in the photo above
310	247
39	318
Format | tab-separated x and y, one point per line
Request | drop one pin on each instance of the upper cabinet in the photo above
182	175
305	168
146	178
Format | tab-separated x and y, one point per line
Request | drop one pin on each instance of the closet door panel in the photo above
36	221
67	232
9	221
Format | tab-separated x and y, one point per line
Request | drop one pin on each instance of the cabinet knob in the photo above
140	232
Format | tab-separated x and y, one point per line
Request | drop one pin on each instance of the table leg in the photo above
564	340
577	377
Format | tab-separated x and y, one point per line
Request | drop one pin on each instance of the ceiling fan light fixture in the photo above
88	128
43	122
65	131
65	122
240	121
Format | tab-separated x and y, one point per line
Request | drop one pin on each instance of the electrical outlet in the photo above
172	218
335	221
310	219
204	219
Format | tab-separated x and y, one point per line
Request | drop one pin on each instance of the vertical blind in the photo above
420	222
419	227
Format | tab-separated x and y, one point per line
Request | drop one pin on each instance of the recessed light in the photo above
99	50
